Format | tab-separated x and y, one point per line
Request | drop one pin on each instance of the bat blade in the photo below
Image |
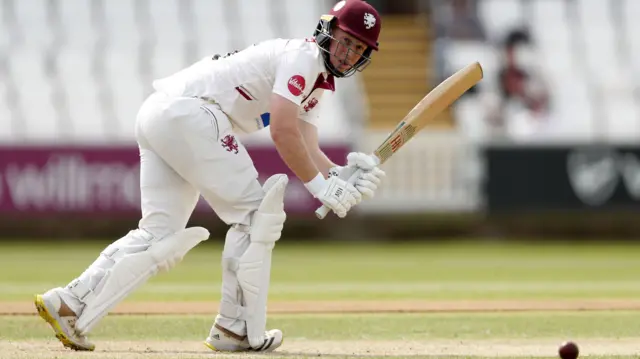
436	101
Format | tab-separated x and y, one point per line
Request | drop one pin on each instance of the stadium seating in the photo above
77	70
398	76
586	54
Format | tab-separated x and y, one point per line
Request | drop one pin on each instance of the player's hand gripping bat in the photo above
436	101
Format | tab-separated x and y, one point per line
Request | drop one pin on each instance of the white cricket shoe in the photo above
223	340
48	306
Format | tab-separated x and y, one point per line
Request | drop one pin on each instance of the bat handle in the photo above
322	211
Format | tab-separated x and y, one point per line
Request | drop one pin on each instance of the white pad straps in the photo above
254	266
132	261
232	310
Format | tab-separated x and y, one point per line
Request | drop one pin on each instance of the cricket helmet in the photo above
358	19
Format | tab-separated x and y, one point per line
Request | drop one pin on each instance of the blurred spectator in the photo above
522	107
453	21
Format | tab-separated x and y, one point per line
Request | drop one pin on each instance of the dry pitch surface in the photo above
295	347
312	348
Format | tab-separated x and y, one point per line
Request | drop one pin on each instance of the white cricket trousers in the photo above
187	149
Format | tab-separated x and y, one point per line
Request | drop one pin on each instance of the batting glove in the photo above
369	180
334	193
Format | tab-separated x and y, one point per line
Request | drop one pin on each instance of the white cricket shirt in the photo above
243	83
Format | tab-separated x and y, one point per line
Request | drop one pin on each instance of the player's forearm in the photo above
323	162
294	153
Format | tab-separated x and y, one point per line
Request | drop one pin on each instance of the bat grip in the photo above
322	211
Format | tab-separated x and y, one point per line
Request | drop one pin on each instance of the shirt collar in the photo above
326	84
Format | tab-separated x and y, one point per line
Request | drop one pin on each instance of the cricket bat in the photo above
436	101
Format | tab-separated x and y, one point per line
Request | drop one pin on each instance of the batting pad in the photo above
131	262
254	266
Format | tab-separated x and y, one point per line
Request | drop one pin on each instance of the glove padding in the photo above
339	196
361	160
368	181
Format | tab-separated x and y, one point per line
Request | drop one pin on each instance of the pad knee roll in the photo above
267	228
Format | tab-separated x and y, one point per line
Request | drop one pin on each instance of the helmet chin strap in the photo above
332	69
360	65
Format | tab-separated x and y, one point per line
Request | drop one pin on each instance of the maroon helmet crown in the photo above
358	18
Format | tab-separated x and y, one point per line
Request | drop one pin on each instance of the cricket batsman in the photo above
186	133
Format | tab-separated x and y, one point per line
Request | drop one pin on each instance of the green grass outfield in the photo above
360	274
361	271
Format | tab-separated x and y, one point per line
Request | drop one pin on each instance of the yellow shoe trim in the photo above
210	346
62	337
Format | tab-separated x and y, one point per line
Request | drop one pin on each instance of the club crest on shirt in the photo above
310	105
230	144
296	85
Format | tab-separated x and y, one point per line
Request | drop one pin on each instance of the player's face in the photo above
345	50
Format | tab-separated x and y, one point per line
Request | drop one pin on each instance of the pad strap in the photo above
81	291
232	310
